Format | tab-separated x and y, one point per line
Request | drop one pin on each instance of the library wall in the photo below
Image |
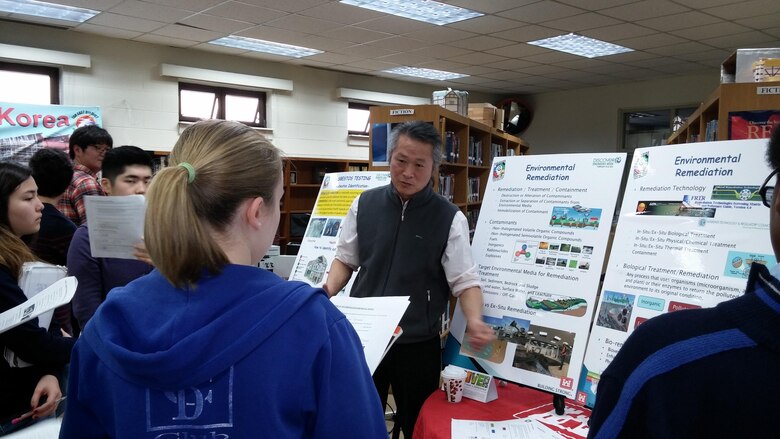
589	120
140	107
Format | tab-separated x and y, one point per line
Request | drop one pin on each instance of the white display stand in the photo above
691	225
539	246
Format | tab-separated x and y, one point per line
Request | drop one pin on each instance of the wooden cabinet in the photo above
715	110
467	151
302	180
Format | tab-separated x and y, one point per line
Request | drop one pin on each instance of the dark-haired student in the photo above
702	373
127	170
87	148
35	387
52	172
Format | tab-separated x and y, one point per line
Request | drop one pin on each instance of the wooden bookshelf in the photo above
726	98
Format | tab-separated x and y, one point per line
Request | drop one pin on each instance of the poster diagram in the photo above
318	246
539	246
691	226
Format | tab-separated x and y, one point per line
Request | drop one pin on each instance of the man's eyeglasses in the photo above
767	190
101	148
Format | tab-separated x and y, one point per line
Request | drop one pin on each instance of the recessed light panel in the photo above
424	73
428	11
581	46
47	10
256	45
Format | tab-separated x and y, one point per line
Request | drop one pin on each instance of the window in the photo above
26	84
652	127
198	102
357	119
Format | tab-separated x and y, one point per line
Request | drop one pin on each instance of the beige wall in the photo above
140	107
588	120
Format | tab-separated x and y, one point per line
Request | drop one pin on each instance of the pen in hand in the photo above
31	412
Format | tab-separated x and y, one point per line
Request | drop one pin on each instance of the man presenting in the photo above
409	241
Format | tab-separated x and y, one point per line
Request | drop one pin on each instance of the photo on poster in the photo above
315	269
544	245
524	252
575	217
673	208
316	227
556	303
616	309
576	249
587	250
505	328
543	350
555	247
566	248
738	263
730	192
332	227
561	262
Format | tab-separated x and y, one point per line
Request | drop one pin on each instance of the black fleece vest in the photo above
400	252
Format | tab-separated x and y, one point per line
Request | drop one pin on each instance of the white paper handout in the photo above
513	429
58	294
37	276
375	320
116	224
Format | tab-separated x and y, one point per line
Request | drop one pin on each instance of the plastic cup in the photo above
453	378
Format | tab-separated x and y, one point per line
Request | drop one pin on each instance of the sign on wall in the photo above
26	128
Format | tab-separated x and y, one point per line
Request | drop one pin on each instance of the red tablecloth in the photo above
514	402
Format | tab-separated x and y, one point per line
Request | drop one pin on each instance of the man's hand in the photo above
141	253
48	385
479	334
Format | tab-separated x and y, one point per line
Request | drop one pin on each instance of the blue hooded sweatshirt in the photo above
245	354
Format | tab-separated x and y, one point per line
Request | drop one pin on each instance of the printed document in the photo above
116	224
514	429
60	293
375	320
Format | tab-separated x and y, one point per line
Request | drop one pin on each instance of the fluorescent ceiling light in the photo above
582	46
428	11
424	73
256	45
47	10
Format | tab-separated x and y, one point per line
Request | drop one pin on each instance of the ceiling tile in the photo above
189	5
165	41
150	11
511	64
245	12
307	62
744	9
268	56
775	32
643	10
268	33
650	41
679	21
398	43
476	70
481	43
341	13
766	21
440	51
700	4
542	11
477	58
306	24
582	63
324	44
609	68
220	49
629	57
540	70
653	62
98	5
394	25
505	75
618	32
440	34
365	51
290	6
405	59
108	31
123	22
354	34
699	33
486	24
551	57
595	5
216	24
521	50
747	39
581	22
187	33
527	33
333	58
447	66
490	6
679	49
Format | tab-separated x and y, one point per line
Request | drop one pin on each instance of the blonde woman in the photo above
208	345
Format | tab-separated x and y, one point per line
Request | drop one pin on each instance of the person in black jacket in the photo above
36	386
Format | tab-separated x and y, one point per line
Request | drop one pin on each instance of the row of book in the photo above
447	186
451	152
473	190
357	168
475	151
711	131
472	216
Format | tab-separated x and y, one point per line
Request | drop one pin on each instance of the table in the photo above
514	402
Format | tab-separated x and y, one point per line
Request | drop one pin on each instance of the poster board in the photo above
691	224
539	246
318	246
26	128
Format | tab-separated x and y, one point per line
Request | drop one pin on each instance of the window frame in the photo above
221	94
52	72
352	105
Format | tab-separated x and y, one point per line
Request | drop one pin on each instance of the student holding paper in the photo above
127	170
209	345
702	373
87	148
36	386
